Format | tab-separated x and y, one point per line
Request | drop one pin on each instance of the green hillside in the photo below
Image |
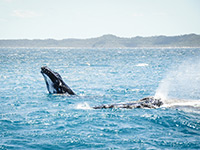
110	41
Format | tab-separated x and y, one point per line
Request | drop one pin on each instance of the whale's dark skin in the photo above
56	85
148	102
54	82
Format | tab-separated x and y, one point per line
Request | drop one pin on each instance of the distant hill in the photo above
110	41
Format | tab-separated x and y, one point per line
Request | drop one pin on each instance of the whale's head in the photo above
54	82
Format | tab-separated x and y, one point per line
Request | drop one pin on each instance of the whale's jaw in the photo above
54	82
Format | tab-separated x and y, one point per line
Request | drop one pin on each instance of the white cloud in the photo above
138	14
25	14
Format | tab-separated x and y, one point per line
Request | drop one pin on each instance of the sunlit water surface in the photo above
30	118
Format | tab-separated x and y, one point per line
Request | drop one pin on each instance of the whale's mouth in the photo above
45	70
51	74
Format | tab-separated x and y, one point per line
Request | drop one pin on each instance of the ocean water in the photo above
30	118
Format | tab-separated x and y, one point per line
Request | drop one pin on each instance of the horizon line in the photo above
99	37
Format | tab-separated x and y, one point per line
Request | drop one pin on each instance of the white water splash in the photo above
182	82
182	102
185	105
83	106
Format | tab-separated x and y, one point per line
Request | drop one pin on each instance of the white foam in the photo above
84	106
181	102
142	65
87	63
185	105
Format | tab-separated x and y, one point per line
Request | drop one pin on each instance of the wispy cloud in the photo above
137	14
25	14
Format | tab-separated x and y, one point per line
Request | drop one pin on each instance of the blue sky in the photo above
60	19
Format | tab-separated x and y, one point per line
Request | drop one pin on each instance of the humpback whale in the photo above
147	102
55	85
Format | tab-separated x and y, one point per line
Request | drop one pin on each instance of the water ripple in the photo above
30	118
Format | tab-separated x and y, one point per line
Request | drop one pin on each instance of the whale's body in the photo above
147	102
56	85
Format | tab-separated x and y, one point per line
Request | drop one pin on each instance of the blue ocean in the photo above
31	118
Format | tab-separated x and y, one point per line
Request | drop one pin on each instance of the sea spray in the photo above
83	106
181	82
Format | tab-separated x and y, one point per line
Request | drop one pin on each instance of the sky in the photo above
62	19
